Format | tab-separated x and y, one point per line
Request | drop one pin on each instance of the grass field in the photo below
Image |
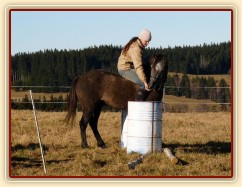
202	142
21	94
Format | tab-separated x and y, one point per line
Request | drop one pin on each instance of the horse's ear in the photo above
153	58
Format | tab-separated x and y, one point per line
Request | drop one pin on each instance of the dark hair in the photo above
126	47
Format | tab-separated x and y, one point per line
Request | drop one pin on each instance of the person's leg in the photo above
132	76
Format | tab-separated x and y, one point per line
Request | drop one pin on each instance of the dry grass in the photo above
200	140
19	95
184	104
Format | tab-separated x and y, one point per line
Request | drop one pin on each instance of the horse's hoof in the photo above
85	146
102	145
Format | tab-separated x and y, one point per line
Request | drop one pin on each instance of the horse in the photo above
97	88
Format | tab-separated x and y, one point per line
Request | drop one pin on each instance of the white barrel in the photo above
144	127
124	128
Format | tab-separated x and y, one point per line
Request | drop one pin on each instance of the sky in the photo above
33	31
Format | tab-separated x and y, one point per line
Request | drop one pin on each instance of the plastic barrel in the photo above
124	128
144	127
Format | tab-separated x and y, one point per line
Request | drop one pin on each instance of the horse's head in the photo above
159	71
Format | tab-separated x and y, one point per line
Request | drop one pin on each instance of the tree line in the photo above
199	88
59	67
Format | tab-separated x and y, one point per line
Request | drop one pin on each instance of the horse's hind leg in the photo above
93	124
83	125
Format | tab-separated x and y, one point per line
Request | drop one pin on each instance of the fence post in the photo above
38	132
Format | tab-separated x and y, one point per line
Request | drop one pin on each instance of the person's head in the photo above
145	37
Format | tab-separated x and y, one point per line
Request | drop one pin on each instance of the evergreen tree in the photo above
177	80
195	85
224	94
170	88
185	86
212	90
202	94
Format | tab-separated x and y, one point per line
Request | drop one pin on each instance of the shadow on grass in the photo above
31	146
211	147
27	162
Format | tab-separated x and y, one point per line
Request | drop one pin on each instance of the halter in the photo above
159	69
160	84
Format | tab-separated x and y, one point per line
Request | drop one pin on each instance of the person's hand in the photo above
146	86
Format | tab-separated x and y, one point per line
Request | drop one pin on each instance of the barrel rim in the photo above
145	102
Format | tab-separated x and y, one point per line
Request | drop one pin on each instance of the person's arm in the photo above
136	56
146	86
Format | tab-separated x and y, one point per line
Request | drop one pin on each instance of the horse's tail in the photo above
71	103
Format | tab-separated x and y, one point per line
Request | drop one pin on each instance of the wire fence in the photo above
50	101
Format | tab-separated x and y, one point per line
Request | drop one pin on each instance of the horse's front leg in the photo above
83	126
100	142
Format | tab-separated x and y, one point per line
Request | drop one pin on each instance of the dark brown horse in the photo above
97	88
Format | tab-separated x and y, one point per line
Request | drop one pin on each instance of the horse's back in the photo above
111	88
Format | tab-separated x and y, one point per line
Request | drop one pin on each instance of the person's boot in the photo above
141	95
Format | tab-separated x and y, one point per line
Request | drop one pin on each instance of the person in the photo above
130	65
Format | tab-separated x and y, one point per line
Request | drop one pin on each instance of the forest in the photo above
53	70
59	67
